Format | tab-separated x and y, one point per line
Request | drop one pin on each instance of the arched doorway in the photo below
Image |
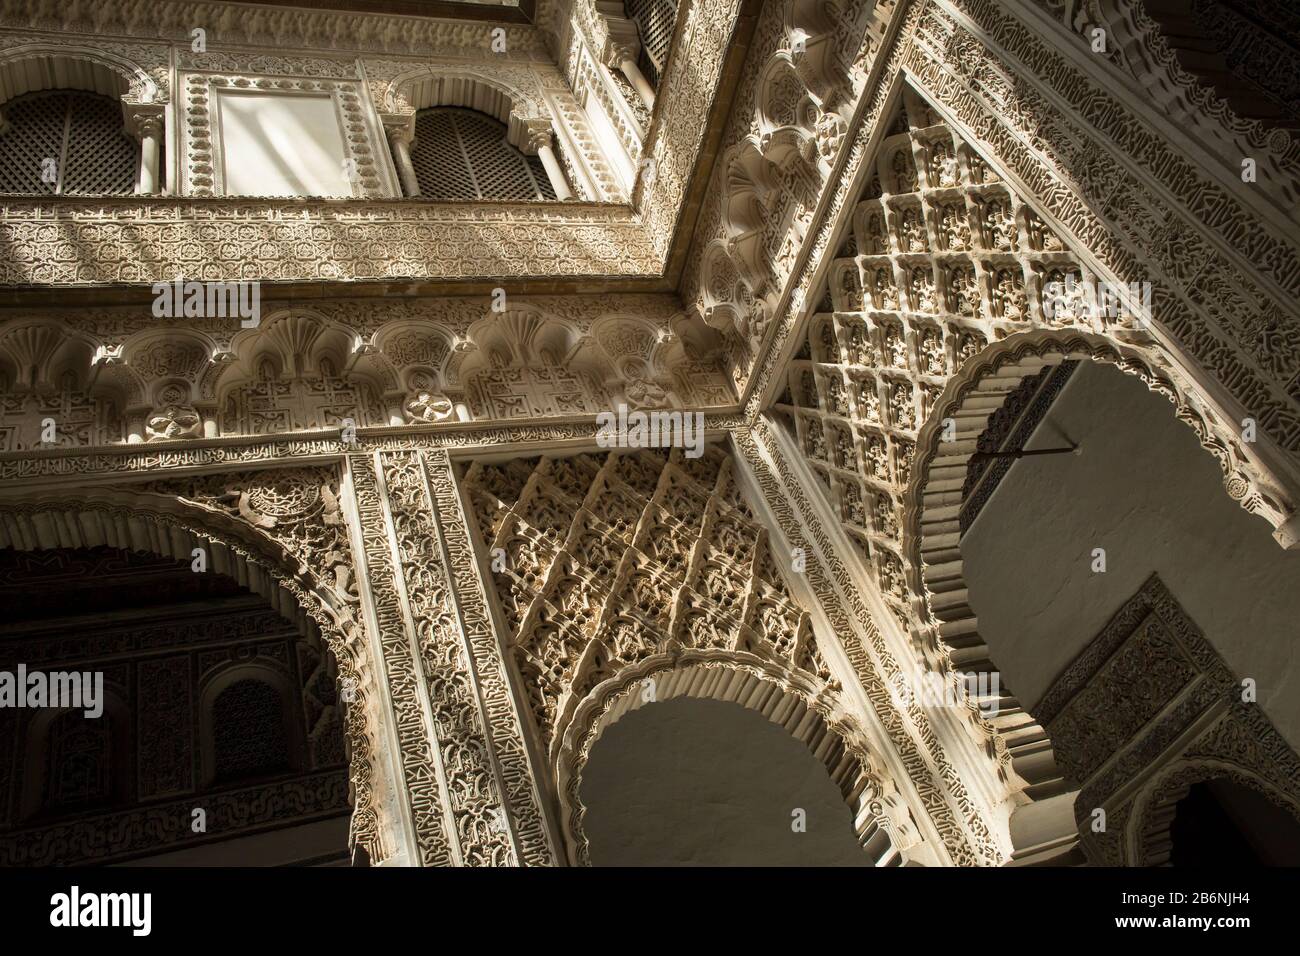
1219	822
707	783
169	717
180	540
1138	611
1140	497
808	715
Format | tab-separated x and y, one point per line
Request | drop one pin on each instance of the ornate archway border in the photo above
170	527
1147	842
141	87
962	69
807	710
932	501
496	96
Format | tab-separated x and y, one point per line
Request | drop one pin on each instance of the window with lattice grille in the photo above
463	154
66	142
654	21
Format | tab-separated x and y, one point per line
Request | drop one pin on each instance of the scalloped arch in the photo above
809	712
76	67
932	501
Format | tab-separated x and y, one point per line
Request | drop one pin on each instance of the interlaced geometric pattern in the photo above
943	260
463	154
273	404
654	21
66	142
606	557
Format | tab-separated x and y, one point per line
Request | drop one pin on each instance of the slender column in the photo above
638	81
558	182
619	49
399	140
401	137
135	420
539	142
211	424
147	124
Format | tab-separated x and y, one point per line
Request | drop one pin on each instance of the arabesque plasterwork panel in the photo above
358	440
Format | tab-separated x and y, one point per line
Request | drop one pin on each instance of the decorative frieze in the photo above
281	28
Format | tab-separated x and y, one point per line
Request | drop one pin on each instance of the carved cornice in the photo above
285	28
315	240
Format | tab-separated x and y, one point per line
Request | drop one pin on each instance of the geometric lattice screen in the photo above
654	21
463	154
66	142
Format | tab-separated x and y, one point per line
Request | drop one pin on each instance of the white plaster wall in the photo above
281	145
690	782
1144	489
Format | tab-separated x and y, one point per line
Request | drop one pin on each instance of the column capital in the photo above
144	119
537	135
399	127
618	50
620	40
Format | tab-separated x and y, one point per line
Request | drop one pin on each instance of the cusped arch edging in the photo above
170	527
932	502
141	87
1147	839
799	703
423	88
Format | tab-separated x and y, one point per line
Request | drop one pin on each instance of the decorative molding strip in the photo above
278	27
417	747
521	781
324	445
84	242
960	823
